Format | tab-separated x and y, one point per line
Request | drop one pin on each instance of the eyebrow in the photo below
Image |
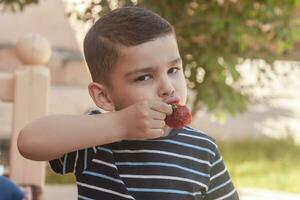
151	69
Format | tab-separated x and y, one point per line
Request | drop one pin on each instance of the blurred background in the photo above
241	61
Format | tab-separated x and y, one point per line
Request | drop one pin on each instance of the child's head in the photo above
126	40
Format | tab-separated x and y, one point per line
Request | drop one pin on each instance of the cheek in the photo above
129	96
140	94
182	89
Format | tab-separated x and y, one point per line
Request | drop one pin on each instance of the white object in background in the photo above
1	170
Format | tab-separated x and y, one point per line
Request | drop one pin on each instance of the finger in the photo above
154	124
161	106
156	133
157	115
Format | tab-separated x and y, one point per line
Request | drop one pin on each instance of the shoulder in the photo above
198	136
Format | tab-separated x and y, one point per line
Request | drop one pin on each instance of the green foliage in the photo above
17	5
263	163
214	37
53	178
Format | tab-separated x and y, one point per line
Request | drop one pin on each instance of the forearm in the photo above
50	137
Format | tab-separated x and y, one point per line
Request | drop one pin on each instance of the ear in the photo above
99	94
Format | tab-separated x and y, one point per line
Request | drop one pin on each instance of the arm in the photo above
50	137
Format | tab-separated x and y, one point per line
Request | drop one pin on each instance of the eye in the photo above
142	78
173	70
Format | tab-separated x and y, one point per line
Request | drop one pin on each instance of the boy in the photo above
129	152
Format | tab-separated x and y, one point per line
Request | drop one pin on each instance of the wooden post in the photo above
30	102
28	88
6	87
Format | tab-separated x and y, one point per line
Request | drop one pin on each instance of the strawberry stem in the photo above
174	107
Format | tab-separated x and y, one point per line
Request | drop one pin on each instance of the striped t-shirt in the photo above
185	165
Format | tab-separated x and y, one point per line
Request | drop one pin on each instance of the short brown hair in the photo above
127	26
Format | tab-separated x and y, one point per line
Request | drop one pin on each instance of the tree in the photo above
16	5
214	37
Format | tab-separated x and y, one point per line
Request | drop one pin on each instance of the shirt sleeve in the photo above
76	161
73	162
221	186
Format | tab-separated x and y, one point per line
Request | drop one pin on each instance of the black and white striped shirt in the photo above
185	165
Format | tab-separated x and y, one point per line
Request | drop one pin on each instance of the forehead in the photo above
158	52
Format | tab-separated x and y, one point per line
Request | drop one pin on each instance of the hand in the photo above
144	120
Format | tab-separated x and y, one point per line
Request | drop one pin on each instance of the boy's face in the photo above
149	71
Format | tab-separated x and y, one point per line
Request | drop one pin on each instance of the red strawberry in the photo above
180	117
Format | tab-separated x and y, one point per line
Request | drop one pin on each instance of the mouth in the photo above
172	100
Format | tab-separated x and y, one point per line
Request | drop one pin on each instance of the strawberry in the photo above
180	117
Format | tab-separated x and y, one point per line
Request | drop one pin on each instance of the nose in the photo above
166	88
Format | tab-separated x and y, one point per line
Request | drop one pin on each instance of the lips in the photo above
172	100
